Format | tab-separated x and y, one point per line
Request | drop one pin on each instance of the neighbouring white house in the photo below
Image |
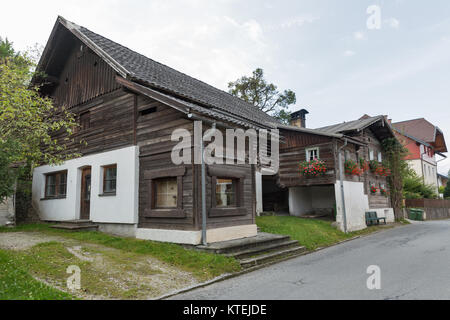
424	142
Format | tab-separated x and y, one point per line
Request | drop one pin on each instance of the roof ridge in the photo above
79	28
410	120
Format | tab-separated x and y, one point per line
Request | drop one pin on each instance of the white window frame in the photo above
380	157
371	155
309	150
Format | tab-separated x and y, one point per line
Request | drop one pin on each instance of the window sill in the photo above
227	212
110	194
166	213
54	198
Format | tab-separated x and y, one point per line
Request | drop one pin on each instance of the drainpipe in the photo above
341	178
202	147
203	178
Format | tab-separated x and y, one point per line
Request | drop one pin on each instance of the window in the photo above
346	155
56	185
371	155
109	179
85	120
225	192
312	154
166	193
148	111
165	190
380	157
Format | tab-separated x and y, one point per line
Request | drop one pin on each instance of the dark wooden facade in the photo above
119	117
293	151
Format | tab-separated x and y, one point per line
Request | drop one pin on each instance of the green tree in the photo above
395	154
257	91
414	188
447	190
28	121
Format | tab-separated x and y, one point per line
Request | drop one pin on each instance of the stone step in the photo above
235	246
262	259
264	249
78	222
76	227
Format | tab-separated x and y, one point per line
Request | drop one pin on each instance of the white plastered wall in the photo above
195	237
121	208
259	192
304	200
356	205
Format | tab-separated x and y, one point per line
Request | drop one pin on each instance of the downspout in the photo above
202	147
341	178
203	179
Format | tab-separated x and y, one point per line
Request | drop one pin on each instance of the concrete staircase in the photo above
259	250
76	225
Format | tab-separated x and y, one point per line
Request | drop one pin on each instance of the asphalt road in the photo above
414	262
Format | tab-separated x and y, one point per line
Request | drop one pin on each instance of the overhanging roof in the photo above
135	67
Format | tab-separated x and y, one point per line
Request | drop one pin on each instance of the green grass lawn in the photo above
311	233
17	284
203	265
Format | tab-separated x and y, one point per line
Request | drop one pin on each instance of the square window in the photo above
56	185
371	155
380	157
166	193
225	192
312	154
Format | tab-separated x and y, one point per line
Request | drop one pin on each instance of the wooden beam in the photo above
152	94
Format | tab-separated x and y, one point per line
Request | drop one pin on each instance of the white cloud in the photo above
359	35
393	23
298	21
349	53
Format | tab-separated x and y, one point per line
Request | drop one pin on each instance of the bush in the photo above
414	188
447	191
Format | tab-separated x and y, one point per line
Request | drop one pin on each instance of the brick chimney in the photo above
298	119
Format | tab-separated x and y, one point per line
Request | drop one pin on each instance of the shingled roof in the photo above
355	125
378	124
422	130
138	68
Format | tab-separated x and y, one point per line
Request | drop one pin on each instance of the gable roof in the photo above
422	130
356	125
145	71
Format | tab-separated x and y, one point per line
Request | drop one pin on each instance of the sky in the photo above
323	50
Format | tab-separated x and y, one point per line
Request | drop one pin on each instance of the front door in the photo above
85	194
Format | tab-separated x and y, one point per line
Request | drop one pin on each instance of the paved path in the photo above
414	262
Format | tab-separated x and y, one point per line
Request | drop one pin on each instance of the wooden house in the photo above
330	193
128	106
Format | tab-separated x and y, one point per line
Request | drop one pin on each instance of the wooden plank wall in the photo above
293	151
249	198
154	140
84	77
375	201
111	124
